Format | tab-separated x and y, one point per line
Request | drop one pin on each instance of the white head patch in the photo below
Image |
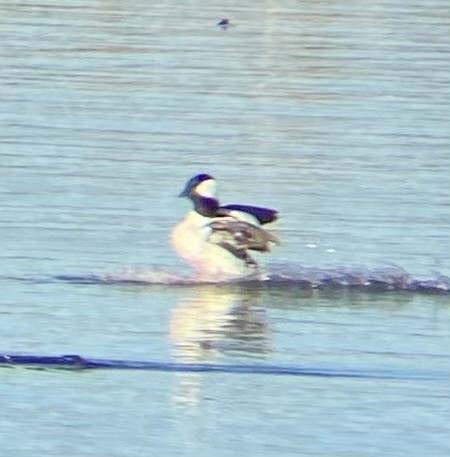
207	188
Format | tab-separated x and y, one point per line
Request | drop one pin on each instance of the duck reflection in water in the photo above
224	320
216	324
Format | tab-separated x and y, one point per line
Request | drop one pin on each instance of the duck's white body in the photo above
210	261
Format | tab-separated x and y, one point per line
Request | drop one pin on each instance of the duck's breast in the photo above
211	261
190	235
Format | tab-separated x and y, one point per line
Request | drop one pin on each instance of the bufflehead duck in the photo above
217	239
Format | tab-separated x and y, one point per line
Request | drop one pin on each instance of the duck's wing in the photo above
263	215
238	236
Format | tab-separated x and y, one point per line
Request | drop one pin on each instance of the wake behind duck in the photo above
218	240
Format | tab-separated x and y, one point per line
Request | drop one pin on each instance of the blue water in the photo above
336	114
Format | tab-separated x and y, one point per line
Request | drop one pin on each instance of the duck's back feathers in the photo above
238	237
263	215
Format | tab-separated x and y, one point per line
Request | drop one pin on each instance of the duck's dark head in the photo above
203	185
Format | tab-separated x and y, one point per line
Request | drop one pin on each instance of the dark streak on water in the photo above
77	362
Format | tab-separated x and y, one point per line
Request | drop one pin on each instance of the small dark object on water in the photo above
224	23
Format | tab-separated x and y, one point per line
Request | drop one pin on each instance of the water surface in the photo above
336	114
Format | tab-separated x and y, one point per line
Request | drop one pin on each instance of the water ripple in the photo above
280	276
